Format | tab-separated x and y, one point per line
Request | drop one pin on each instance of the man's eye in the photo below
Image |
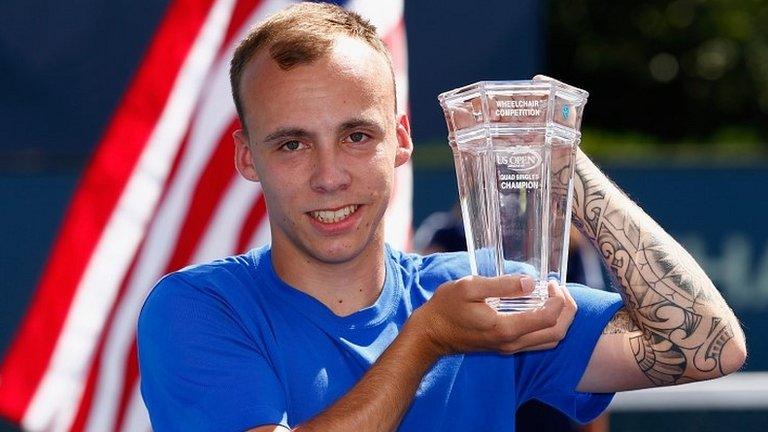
357	136
292	145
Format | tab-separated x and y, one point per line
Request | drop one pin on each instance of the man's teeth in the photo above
333	216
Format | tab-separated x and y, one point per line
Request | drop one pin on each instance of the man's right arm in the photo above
456	319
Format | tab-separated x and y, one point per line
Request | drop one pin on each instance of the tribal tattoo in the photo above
676	314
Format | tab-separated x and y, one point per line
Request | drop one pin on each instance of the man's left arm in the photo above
675	326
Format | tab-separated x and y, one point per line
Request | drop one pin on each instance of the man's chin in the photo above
331	250
338	255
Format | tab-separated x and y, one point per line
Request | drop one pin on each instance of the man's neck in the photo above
343	287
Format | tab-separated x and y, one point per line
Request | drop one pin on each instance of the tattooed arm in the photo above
674	327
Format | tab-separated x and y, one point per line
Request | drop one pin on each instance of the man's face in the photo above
323	140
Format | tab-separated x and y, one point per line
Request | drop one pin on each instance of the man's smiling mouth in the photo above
333	216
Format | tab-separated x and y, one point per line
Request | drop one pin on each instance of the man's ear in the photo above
404	142
244	157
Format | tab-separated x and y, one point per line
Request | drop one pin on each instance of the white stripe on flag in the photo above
399	214
384	14
223	231
55	403
261	236
136	417
398	217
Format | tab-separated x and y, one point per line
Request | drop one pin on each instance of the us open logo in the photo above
519	161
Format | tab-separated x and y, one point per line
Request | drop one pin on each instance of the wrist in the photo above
420	331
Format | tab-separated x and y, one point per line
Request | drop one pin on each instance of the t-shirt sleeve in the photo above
199	369
551	376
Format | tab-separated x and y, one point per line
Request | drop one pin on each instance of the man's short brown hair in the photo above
300	34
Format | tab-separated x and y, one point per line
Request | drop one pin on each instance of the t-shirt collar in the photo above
303	303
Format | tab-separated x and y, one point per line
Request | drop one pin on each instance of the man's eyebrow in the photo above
360	123
288	132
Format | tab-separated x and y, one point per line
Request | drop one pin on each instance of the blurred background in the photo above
677	116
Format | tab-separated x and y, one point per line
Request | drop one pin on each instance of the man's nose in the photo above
329	173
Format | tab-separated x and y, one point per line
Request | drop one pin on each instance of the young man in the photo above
330	330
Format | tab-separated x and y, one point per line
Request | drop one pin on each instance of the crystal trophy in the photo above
514	145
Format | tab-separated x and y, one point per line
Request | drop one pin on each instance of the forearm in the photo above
381	398
688	332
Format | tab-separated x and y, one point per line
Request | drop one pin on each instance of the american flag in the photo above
159	193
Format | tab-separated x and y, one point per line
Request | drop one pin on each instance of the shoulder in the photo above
221	271
207	293
199	280
203	349
198	310
433	269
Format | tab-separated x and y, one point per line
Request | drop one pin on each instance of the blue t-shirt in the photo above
228	346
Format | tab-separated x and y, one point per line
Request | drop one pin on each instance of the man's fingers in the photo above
541	347
542	339
538	340
570	303
512	326
554	289
480	288
548	337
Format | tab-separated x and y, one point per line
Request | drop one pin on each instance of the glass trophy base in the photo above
515	304
520	304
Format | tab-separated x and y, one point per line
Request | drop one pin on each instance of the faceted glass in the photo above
514	144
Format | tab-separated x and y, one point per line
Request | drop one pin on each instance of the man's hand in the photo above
458	320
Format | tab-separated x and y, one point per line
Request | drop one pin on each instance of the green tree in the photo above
683	70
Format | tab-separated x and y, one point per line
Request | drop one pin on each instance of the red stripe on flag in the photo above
94	201
208	192
256	216
129	384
